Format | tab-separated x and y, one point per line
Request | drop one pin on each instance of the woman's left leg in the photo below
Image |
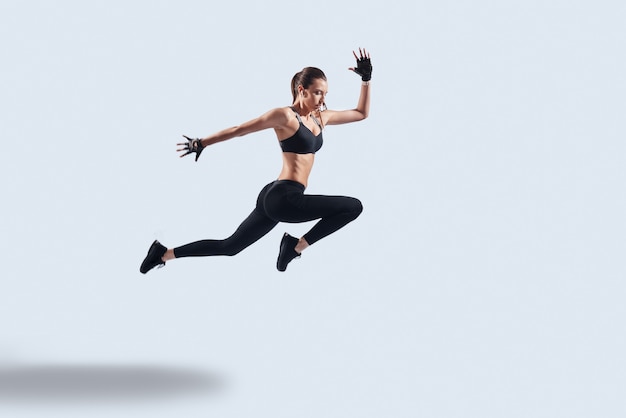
286	202
335	213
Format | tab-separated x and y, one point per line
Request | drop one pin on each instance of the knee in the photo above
230	250
356	207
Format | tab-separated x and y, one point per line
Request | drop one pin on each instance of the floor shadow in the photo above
95	383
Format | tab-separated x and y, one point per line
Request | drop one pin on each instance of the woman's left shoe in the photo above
287	251
153	258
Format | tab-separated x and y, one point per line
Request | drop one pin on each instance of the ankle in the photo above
301	245
169	255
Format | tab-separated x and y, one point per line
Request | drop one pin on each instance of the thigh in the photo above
255	226
300	207
322	206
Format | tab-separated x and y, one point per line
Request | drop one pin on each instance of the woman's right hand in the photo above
191	146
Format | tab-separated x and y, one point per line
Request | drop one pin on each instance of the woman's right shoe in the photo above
153	259
287	251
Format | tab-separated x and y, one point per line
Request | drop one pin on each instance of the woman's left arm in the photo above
364	69
362	110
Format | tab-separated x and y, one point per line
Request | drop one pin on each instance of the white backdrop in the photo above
485	277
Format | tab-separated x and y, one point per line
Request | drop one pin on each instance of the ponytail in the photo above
305	79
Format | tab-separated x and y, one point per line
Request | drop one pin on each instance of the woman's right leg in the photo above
255	226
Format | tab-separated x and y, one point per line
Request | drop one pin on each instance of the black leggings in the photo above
281	201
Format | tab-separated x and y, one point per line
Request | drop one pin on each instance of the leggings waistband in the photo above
291	183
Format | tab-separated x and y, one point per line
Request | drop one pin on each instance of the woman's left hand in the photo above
363	65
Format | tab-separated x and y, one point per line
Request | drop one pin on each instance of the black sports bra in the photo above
303	141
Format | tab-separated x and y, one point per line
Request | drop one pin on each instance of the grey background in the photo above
485	277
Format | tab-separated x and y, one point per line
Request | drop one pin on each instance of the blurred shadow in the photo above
93	383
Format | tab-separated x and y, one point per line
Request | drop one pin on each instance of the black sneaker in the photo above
153	258
287	251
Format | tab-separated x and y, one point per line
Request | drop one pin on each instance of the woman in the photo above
299	131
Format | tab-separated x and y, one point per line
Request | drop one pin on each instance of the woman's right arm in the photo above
275	118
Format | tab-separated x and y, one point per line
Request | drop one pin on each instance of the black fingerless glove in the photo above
193	145
363	68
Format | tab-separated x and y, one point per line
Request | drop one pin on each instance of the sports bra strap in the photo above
300	119
317	122
297	114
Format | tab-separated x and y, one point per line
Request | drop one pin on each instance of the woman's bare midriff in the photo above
296	167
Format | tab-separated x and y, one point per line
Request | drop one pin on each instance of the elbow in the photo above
360	114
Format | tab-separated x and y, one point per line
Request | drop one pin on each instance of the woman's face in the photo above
315	95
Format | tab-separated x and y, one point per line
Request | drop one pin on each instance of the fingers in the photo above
190	140
184	144
363	54
191	146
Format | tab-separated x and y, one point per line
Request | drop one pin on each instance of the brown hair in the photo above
305	78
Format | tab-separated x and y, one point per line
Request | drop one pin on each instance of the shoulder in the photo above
276	118
282	118
279	115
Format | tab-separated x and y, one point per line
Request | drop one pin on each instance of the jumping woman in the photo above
299	131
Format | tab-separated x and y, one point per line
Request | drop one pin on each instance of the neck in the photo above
301	111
